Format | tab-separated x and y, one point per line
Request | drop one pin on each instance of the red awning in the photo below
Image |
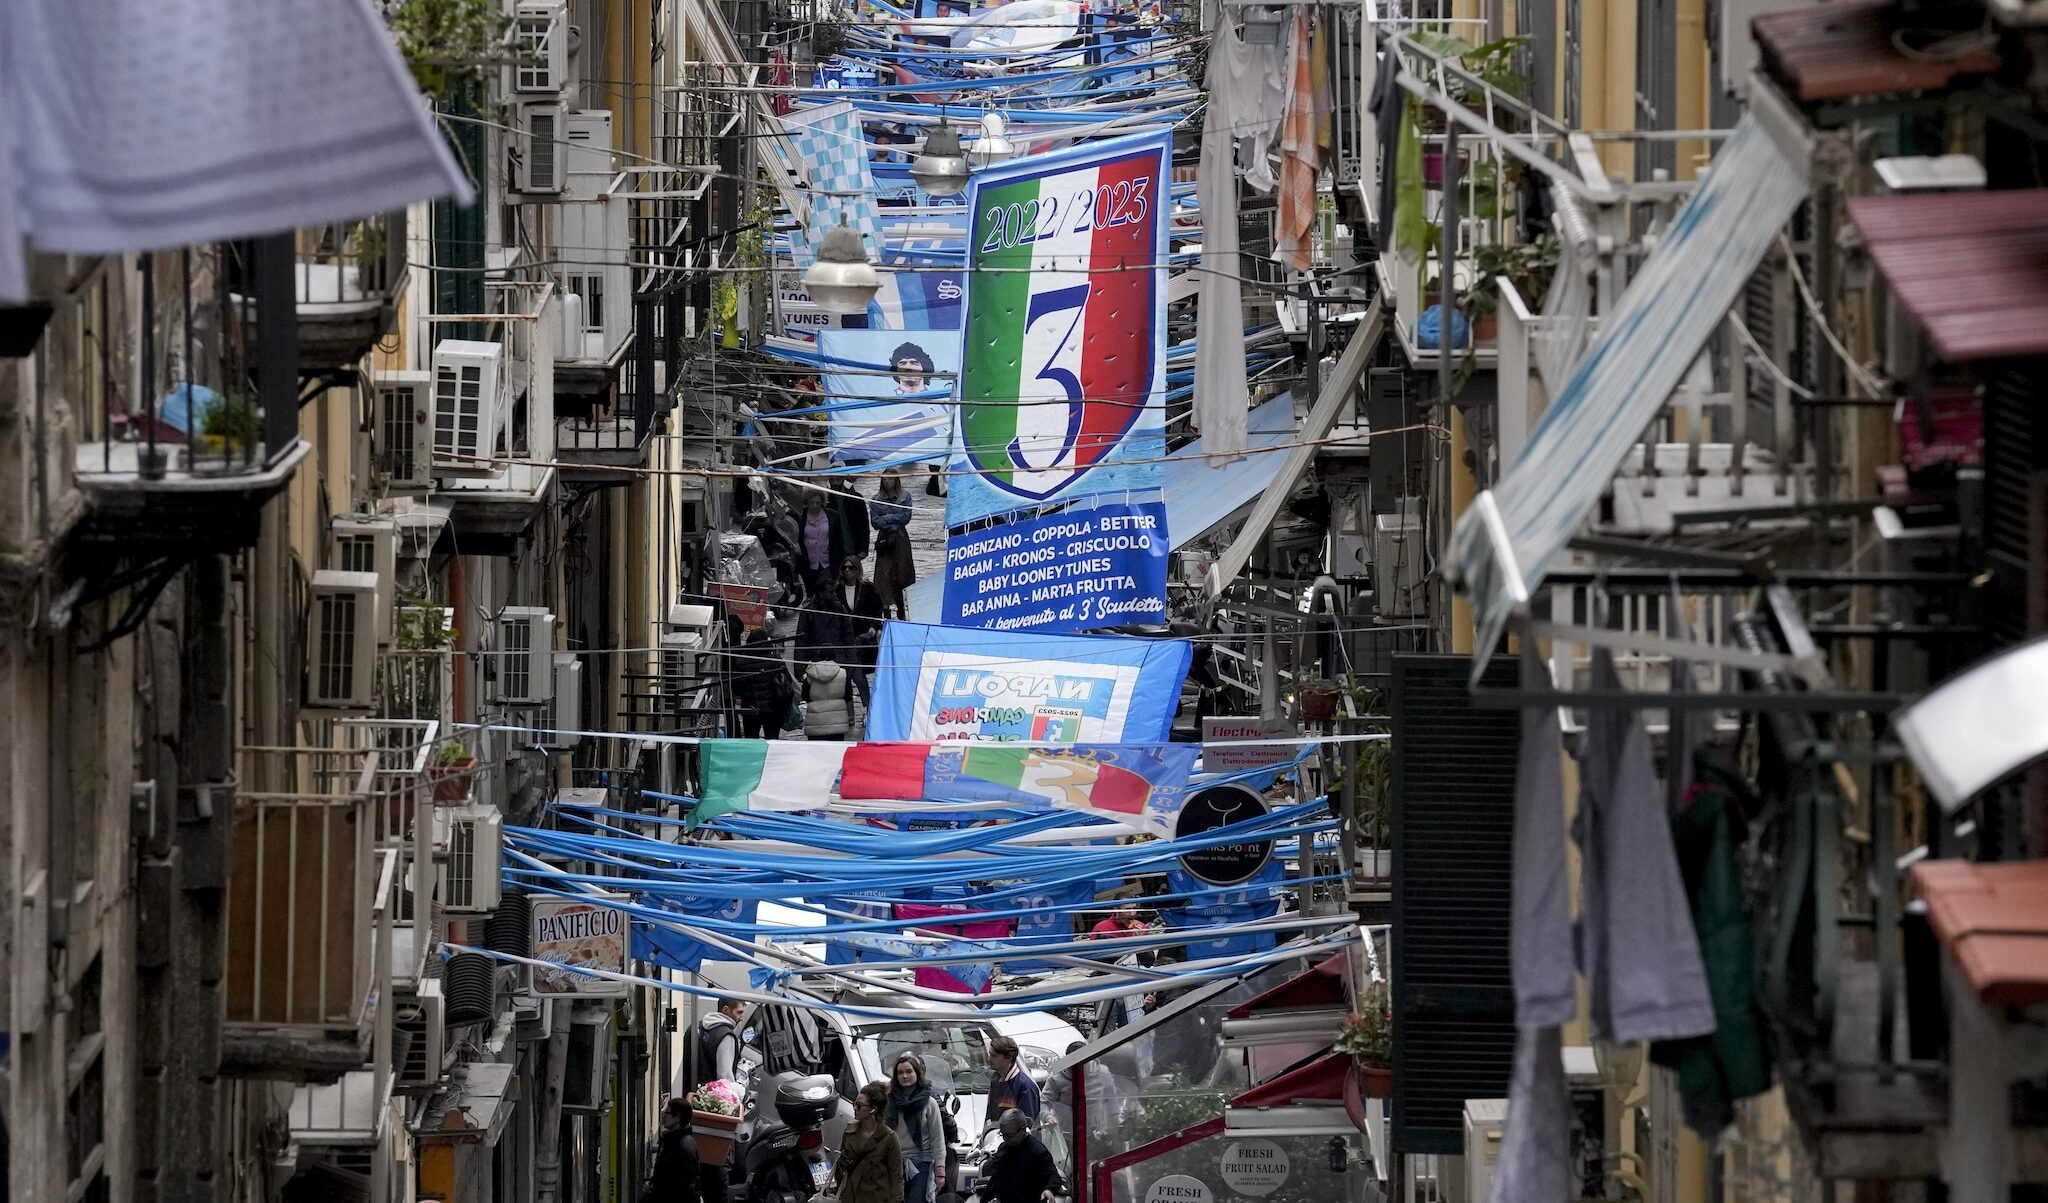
1317	1081
1317	988
1972	268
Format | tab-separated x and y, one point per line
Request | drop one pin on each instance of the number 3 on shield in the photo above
1060	300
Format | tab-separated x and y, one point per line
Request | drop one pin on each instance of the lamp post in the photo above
941	167
842	281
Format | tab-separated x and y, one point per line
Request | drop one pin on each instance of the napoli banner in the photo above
911	413
1063	393
1061	573
947	683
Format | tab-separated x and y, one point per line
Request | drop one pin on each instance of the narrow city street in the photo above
1023	601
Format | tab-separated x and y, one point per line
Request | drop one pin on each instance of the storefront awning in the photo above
1513	533
1317	988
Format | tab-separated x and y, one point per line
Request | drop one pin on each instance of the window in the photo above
85	1098
591	289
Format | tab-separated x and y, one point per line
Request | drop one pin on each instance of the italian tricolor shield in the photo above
1061	376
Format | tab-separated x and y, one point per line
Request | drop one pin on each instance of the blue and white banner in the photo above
946	683
666	946
1061	573
917	419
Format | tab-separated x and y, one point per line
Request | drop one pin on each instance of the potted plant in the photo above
1367	1036
715	1119
230	427
1528	266
1317	700
450	44
450	771
1371	786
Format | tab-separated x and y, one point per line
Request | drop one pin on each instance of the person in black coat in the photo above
761	688
862	603
1021	1170
825	630
852	511
678	1173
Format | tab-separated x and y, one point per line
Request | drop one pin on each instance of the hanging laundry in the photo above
129	125
1293	238
1244	86
1412	231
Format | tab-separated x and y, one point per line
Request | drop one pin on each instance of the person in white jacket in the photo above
828	713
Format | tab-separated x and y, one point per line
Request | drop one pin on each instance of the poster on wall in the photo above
952	683
908	375
1066	315
1079	570
572	934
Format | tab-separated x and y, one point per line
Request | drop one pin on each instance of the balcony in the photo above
616	430
189	468
348	277
493	465
309	917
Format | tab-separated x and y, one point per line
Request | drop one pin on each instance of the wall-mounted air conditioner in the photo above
1397	555
405	429
421	1029
365	544
686	639
341	642
567	712
1485	1120
540	40
469	847
523	656
540	149
469	383
589	155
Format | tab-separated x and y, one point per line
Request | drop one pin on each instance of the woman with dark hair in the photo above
890	510
913	368
870	1168
920	1129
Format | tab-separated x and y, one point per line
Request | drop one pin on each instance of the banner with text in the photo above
945	683
1066	312
1061	573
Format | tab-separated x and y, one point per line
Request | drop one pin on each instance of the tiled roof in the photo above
1993	919
1972	268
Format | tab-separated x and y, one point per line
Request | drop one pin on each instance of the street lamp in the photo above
941	167
842	281
992	147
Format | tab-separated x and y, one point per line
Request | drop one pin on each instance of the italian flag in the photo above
943	773
1063	322
765	774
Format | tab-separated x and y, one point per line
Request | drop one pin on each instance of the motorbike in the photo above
784	1159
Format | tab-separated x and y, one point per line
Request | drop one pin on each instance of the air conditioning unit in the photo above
589	157
405	429
469	855
468	380
1397	555
1485	1120
567	712
524	656
540	149
364	544
421	1028
690	634
540	40
341	642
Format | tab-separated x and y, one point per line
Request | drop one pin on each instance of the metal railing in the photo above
351	265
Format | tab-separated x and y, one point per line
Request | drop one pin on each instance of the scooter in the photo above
786	1161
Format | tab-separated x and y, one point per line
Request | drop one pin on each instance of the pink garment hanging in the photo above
1299	162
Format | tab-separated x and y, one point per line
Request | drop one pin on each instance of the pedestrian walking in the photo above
828	711
855	532
821	539
678	1173
865	615
761	688
870	1168
919	1126
1010	1084
890	511
718	1044
825	631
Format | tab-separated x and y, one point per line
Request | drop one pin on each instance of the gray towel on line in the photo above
1637	947
1535	1150
1545	994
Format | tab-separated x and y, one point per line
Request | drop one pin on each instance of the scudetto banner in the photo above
945	683
1063	379
1061	573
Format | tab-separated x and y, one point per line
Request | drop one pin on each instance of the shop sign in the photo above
1178	1188
1255	1167
1061	573
1229	729
1220	806
587	935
